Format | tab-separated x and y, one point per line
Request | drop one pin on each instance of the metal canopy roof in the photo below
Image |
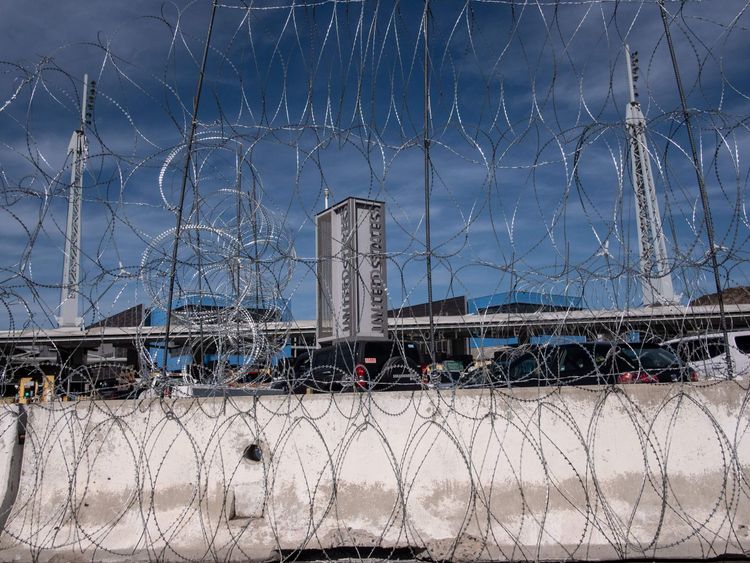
675	318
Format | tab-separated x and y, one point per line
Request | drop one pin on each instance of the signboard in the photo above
351	270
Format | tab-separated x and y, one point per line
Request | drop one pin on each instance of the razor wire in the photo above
531	197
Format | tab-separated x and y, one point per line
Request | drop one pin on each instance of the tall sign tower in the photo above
352	300
652	245
77	150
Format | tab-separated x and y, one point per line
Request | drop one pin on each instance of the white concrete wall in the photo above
10	458
641	471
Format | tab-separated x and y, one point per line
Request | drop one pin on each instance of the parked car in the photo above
504	357
357	365
482	373
706	353
445	373
652	361
596	363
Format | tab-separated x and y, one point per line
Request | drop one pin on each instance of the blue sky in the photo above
530	175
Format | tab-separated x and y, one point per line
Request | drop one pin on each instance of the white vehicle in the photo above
706	353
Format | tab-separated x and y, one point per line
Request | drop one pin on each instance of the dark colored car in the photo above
596	363
357	365
497	373
655	361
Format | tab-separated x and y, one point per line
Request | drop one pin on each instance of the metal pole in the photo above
238	281
72	257
701	187
652	244
185	172
428	244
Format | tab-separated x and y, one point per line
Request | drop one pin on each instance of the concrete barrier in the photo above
645	471
10	458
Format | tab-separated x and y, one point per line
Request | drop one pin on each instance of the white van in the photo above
706	353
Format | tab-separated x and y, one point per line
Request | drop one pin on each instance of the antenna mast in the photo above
652	244
78	149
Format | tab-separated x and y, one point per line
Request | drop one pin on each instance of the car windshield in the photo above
522	368
538	364
505	355
649	357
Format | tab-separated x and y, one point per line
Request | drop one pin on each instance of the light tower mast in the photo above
652	244
77	149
